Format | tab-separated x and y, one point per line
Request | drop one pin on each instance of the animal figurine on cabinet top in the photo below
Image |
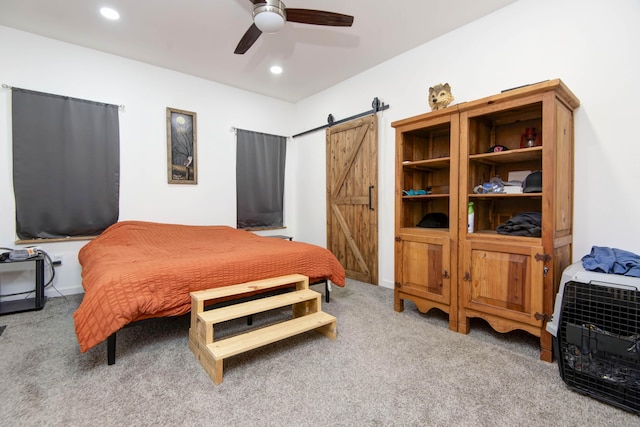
440	96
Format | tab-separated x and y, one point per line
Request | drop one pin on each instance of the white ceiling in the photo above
198	37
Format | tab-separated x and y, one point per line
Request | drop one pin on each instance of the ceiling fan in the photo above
269	16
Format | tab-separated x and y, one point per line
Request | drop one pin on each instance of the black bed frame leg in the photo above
327	292
111	349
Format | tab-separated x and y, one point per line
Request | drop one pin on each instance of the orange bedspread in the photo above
137	270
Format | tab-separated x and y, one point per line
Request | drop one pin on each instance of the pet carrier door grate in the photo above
598	342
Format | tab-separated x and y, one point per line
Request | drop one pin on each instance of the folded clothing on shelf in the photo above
413	192
523	224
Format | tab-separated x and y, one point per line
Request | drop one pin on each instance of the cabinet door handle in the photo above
467	276
370	197
446	274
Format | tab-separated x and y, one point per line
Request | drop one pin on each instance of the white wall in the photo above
32	62
590	44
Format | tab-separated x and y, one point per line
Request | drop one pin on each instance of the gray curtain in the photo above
260	163
66	165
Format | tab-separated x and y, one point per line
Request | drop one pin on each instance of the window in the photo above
260	161
66	165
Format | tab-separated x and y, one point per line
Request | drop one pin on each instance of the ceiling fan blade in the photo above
318	17
248	39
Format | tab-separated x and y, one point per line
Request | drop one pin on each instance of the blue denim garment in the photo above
613	261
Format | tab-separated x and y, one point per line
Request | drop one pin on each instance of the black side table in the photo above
28	304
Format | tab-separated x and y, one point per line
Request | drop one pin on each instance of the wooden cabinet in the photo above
509	280
427	153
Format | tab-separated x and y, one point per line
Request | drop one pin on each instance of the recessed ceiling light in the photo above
109	13
276	69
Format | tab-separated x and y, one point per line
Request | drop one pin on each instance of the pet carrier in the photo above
596	325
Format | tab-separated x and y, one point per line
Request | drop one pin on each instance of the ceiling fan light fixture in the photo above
270	17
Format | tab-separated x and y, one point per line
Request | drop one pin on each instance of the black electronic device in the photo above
22	254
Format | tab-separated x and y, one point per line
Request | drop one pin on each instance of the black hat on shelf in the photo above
532	183
434	220
497	148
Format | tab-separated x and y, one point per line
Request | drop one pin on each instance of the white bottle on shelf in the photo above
470	218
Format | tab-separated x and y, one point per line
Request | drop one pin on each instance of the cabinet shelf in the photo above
490	196
511	156
427	165
493	235
424	230
425	197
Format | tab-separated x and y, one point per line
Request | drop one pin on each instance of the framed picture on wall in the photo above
182	155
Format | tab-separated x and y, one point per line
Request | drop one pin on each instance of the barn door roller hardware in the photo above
376	104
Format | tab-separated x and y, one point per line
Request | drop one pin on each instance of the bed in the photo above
138	270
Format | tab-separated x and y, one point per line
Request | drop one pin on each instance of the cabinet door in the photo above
423	267
503	280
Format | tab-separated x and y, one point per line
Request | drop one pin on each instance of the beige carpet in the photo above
384	369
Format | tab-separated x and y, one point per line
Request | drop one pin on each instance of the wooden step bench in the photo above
199	333
306	316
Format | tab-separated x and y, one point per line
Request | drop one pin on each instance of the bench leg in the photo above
218	371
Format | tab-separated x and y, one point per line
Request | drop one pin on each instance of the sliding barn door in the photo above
352	188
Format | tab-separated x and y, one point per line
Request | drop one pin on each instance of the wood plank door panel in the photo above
352	188
424	267
503	280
